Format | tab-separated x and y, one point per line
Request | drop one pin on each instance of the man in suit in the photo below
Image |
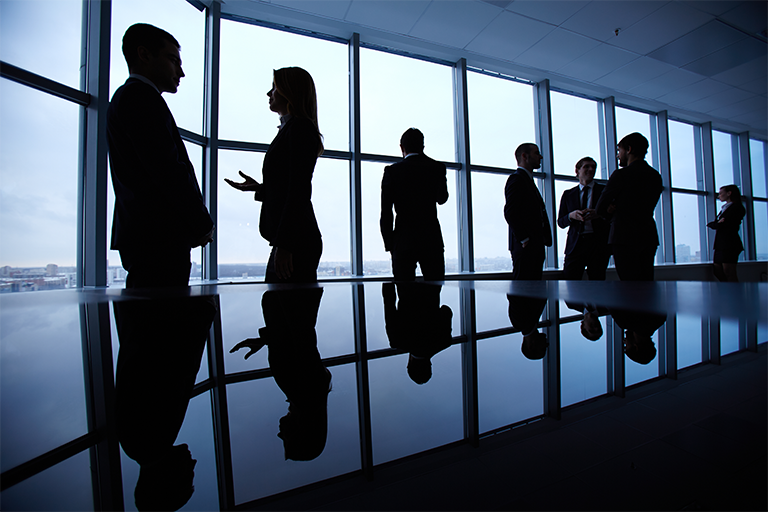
629	199
587	243
414	186
529	227
159	211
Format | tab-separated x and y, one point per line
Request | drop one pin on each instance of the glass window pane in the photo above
685	218
246	76
397	93
561	233
38	197
635	372
722	146
630	121
44	37
757	156
688	340
729	335
330	199
500	119
187	25
575	133
490	229
584	365
761	229
682	156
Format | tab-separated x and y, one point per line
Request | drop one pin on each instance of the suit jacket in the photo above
525	212
287	216
158	204
635	190
727	232
418	323
414	187
570	201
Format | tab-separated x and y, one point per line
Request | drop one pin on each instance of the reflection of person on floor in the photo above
418	324
524	314
638	330
290	317
161	346
591	328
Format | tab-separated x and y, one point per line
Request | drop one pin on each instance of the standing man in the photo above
529	227
631	196
414	186
159	211
587	243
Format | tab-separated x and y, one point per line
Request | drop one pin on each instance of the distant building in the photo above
683	253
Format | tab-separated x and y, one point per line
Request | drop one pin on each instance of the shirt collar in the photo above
409	154
590	185
526	171
145	80
284	120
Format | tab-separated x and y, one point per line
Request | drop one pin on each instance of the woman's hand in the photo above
248	185
283	263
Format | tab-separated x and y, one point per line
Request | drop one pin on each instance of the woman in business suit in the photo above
288	220
728	244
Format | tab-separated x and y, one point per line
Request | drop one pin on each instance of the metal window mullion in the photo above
211	131
92	151
745	171
669	345
615	349
355	164
463	177
552	369
469	364
667	231
708	160
609	135
543	122
363	381
698	142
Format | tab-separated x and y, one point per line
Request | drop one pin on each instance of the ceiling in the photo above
699	60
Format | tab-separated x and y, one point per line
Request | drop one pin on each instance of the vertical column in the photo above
745	175
211	131
355	164
363	383
543	121
667	235
469	364
92	168
609	131
615	347
106	472
552	380
668	342
701	200
710	211
463	179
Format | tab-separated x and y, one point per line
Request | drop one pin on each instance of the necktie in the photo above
584	198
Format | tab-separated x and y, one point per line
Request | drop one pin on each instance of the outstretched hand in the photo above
248	185
254	344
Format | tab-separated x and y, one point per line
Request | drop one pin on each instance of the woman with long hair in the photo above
728	244
288	220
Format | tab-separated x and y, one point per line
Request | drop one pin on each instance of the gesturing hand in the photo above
248	185
253	344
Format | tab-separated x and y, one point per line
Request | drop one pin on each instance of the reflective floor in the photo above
290	387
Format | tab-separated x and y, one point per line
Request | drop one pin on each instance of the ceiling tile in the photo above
636	72
329	8
598	62
599	20
454	23
554	11
752	70
714	7
380	14
698	43
741	52
727	97
675	79
556	50
694	92
661	27
509	35
740	108
756	119
759	86
749	16
498	3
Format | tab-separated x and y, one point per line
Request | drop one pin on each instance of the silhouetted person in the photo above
417	324
638	328
728	244
529	228
161	346
524	314
287	219
159	211
587	244
629	200
414	187
290	317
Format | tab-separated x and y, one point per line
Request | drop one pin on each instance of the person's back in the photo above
638	188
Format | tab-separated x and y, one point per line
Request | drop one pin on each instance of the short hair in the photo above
534	346
148	36
412	140
524	149
735	193
642	351
584	160
636	142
